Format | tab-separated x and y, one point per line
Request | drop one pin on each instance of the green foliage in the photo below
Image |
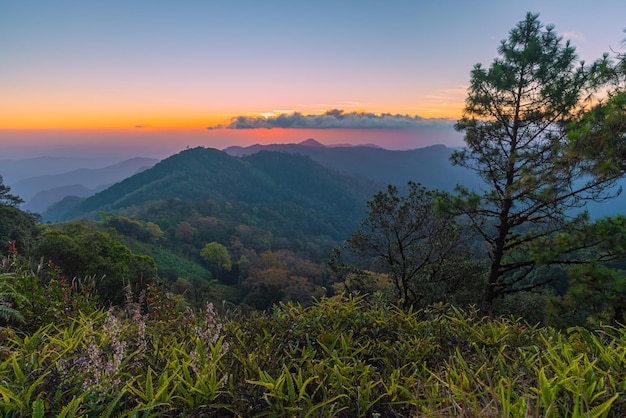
150	354
9	297
18	226
596	295
364	282
598	134
143	231
328	197
529	306
217	256
6	198
171	266
33	296
269	202
83	251
596	284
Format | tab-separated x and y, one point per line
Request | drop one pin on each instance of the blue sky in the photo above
165	65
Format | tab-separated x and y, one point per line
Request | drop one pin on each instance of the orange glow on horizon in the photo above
62	117
83	120
160	143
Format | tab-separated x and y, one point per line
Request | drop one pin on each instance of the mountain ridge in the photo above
430	166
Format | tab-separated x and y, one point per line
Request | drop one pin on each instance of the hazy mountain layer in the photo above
51	188
429	166
44	199
14	170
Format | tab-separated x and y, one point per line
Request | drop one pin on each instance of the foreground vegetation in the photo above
62	354
344	357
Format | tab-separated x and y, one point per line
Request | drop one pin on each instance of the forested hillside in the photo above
258	229
267	179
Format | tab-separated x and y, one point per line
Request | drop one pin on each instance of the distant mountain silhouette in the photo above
44	199
89	178
429	166
14	170
311	143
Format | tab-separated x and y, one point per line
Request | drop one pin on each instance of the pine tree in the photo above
515	126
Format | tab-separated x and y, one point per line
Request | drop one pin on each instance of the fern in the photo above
8	297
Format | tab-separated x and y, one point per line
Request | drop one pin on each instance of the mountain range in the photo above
41	182
244	174
370	164
429	166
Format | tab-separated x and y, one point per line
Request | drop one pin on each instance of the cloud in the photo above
335	118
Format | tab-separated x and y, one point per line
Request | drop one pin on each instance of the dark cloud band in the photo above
335	118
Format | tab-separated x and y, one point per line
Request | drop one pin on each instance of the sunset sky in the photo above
159	73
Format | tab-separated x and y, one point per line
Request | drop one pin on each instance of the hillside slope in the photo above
274	189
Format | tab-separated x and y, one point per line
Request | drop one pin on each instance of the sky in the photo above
154	77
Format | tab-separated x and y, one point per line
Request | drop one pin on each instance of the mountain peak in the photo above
311	143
